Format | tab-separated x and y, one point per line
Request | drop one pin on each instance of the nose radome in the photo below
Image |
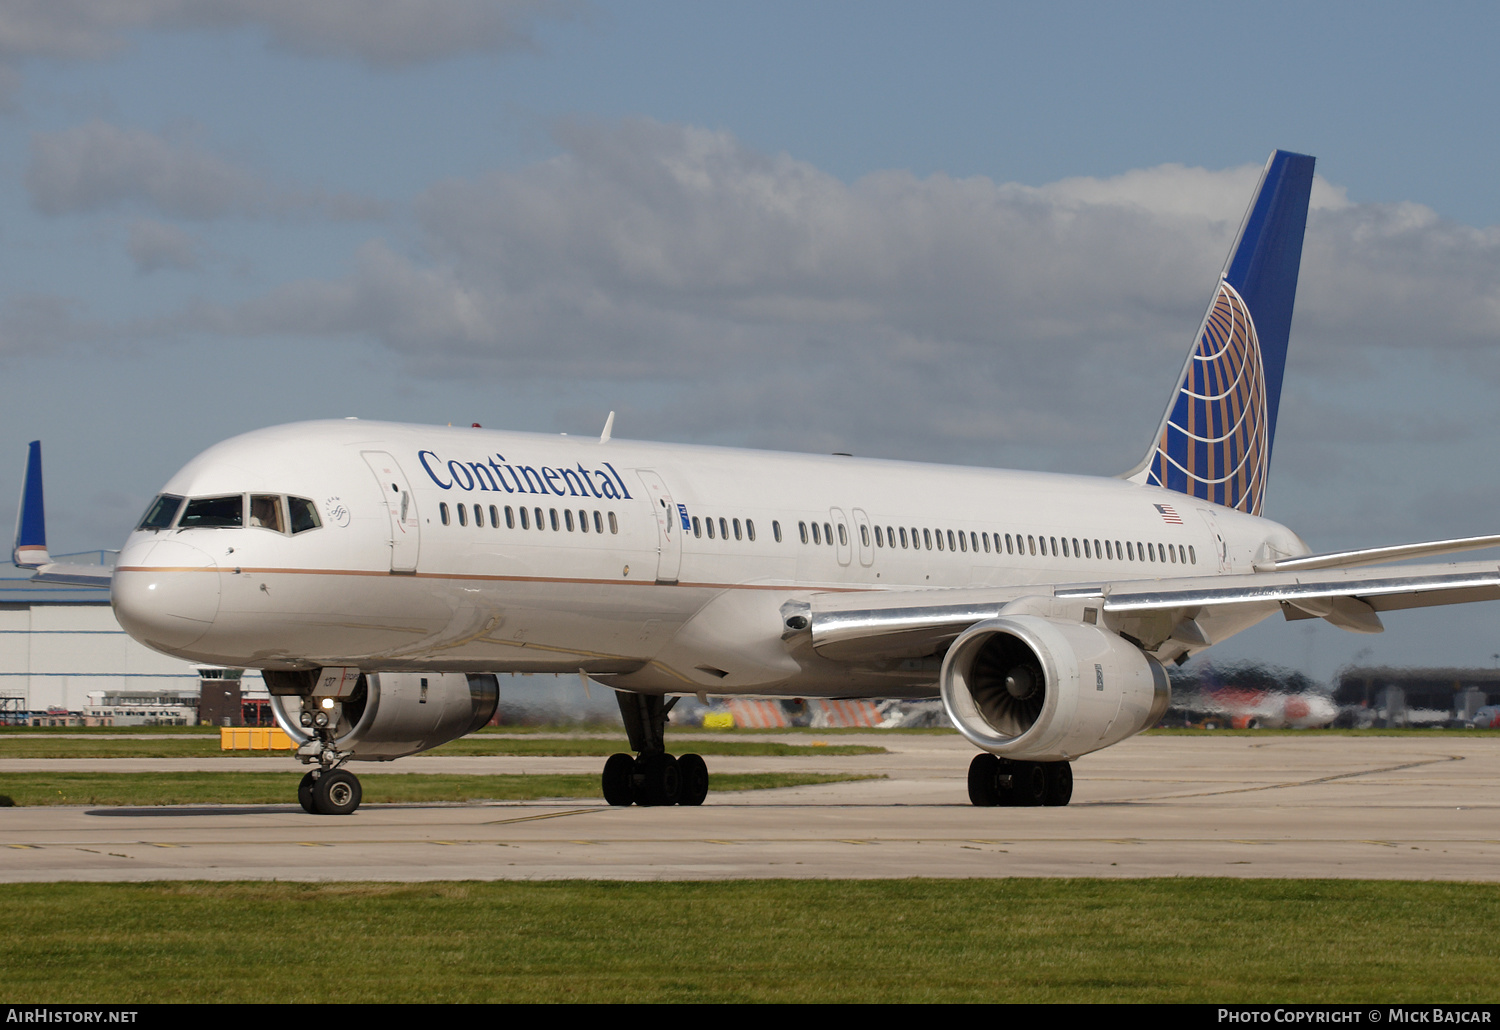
167	597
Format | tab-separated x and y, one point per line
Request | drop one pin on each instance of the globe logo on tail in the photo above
1215	443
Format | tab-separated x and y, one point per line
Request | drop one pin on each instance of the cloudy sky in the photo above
953	232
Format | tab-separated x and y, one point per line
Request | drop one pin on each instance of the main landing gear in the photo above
1004	781
652	777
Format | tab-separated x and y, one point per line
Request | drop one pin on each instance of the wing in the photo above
1169	617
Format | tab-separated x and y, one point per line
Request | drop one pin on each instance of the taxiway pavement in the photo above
1277	806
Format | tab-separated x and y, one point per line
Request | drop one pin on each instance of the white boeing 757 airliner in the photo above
381	574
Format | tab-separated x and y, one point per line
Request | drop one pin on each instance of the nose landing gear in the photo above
328	789
329	792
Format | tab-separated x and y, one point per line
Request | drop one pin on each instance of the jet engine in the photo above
388	715
1028	687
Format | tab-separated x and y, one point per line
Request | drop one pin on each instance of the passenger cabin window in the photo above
214	513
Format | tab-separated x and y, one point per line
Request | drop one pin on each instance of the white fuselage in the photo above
611	582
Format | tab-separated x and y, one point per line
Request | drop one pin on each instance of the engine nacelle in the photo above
1028	687
393	714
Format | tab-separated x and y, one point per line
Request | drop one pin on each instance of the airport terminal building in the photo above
65	660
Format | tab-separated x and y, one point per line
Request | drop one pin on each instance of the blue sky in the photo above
973	233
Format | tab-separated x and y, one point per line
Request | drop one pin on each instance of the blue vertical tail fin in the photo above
1215	438
30	549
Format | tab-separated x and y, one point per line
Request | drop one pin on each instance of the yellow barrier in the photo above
254	738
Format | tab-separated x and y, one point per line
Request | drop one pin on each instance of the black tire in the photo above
656	781
617	772
1059	783
1028	784
692	774
305	794
337	793
984	791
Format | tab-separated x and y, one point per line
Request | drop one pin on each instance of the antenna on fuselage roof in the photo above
609	427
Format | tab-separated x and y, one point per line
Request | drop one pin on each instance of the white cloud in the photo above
97	166
778	300
379	33
155	245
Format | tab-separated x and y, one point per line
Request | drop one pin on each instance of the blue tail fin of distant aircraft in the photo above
30	550
1215	440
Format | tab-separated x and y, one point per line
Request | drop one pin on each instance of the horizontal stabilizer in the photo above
1377	555
75	575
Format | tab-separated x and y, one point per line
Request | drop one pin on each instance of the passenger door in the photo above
401	506
668	527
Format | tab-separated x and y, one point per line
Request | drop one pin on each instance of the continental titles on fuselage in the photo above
495	475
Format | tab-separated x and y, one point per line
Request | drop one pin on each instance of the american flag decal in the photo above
1168	514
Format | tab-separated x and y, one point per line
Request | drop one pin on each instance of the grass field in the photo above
246	788
814	941
202	746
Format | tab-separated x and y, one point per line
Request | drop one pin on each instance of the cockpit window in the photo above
265	512
161	513
214	513
304	515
